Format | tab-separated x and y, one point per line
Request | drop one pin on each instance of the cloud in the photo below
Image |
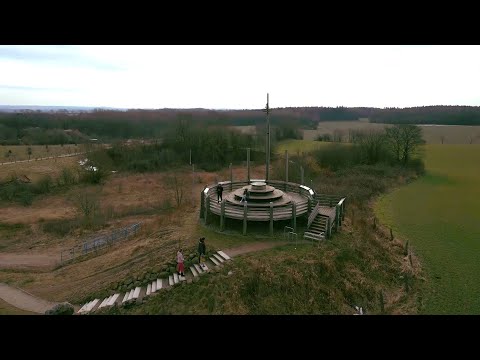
65	55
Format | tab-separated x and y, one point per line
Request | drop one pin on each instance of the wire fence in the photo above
99	243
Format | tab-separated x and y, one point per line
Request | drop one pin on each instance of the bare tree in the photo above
176	184
404	140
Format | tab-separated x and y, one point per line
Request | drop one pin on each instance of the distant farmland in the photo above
439	215
433	134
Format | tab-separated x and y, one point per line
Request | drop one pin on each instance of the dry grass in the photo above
35	170
19	152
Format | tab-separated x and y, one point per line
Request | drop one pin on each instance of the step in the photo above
82	308
194	272
204	267
175	278
219	258
104	302
93	304
149	289
215	261
136	294
182	278
113	300
125	298
130	296
225	256
170	280
154	286
159	284
197	267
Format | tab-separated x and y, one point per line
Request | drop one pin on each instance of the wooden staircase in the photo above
317	229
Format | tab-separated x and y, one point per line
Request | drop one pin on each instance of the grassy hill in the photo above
439	215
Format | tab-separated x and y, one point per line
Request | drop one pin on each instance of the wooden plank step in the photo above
215	261
82	308
149	289
136	294
170	280
204	267
175	278
182	278
154	286
93	305
219	258
125	298
194	272
113	300
104	302
130	296
197	267
159	284
225	256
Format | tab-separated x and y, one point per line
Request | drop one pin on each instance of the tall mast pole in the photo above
267	145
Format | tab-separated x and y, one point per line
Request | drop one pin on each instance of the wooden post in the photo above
337	217
231	177
202	202
207	208
248	164
244	219
294	216
271	219
301	175
328	234
391	234
344	209
267	145
222	216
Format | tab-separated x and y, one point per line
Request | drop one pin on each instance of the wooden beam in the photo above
294	216
248	164
222	216
244	219
207	209
271	219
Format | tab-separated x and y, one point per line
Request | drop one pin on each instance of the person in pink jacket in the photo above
180	261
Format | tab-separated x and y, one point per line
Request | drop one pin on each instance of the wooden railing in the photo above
313	214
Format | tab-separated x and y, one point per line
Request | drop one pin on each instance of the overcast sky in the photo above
239	77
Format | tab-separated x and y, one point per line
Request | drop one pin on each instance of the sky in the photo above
239	76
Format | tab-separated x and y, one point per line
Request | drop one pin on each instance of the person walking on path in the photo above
244	196
202	250
219	192
180	260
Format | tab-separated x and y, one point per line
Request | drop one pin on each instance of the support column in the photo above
337	218
328	232
271	219
248	164
207	209
286	169
202	203
222	216
231	177
301	176
294	218
244	219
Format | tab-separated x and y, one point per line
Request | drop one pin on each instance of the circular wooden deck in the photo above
294	196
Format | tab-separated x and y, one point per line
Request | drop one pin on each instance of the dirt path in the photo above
27	261
23	300
244	249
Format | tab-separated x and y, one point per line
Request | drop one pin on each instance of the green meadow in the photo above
296	147
440	216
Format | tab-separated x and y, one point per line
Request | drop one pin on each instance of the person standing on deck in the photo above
219	192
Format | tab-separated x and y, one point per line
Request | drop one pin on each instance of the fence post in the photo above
202	202
271	219
337	220
222	216
207	209
294	216
244	219
231	177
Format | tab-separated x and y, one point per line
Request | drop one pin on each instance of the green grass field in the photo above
439	215
297	146
20	152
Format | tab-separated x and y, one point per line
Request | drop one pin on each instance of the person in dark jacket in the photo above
219	192
202	250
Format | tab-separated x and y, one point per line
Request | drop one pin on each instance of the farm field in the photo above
433	134
439	215
20	152
298	146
